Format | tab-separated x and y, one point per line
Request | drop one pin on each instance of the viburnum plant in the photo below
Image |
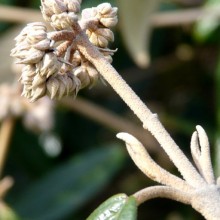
75	55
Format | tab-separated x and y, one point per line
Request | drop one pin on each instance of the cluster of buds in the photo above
53	65
36	116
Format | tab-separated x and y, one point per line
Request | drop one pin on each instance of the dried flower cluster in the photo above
52	63
36	116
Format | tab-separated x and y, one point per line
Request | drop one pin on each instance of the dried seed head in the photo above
63	21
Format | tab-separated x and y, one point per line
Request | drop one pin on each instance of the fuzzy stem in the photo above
5	135
161	192
148	119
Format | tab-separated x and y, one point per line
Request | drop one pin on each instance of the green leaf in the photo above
117	207
205	27
6	213
135	27
70	186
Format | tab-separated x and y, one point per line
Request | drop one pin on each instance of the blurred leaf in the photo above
6	213
217	138
135	27
205	27
71	185
117	207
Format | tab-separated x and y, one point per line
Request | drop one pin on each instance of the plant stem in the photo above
162	192
149	120
5	135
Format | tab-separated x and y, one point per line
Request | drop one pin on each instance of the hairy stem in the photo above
161	192
149	120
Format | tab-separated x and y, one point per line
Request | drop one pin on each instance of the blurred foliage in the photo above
180	84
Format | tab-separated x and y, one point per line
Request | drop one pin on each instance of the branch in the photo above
147	165
5	135
182	17
159	19
149	120
19	15
200	151
108	119
162	192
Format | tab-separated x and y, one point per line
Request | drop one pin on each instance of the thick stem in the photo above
148	119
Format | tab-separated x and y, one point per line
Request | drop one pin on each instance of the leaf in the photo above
6	213
117	207
70	186
205	27
135	27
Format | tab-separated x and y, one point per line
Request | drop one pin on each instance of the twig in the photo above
161	192
180	17
149	120
5	184
200	151
109	119
159	19
148	166
19	15
5	135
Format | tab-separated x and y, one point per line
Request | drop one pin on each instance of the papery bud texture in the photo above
63	21
87	74
31	43
53	64
63	85
100	37
107	15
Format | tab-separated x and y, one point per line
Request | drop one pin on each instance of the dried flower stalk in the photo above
78	47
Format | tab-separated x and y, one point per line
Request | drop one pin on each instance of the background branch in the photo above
5	135
159	19
109	119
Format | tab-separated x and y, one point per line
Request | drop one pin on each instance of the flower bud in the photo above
100	37
73	5
38	92
63	21
51	7
48	66
62	85
82	74
107	14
